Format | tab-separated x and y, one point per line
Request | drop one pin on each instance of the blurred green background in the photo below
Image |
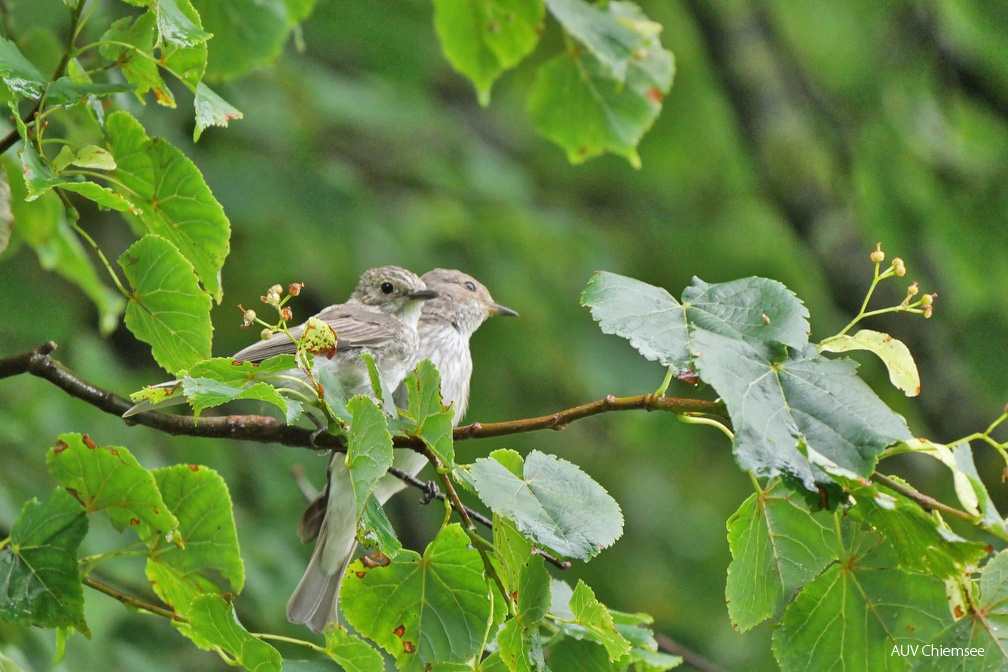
796	136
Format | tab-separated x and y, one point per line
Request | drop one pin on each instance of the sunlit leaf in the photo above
212	110
893	353
352	653
213	625
369	448
595	618
426	409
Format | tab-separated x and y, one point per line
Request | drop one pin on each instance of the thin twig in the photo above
132	601
690	657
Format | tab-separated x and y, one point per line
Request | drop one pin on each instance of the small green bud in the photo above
265	334
912	289
927	300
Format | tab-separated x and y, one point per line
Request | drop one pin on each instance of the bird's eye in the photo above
470	286
387	287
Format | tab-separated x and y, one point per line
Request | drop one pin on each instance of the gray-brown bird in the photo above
446	324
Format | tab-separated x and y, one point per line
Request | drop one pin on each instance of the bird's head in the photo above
393	290
462	300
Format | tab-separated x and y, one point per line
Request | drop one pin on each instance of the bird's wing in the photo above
355	328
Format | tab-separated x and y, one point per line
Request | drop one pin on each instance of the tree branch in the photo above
131	601
265	429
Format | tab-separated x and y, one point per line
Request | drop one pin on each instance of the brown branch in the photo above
265	429
132	601
926	502
690	657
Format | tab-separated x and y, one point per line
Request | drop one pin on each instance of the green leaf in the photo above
854	613
369	448
39	178
247	34
18	73
661	328
66	92
612	42
590	101
167	309
893	353
91	156
550	505
39	580
178	23
173	200
513	549
923	542
422	610
375	530
783	406
227	370
8	665
352	653
378	386
213	626
778	544
203	393
42	224
212	110
984	628
595	618
139	66
109	478
200	500
520	650
483	38
433	420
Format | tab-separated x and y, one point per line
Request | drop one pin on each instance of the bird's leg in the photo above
430	492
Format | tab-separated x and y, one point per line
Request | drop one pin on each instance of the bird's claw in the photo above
430	492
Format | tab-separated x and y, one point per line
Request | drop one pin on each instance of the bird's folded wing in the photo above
354	327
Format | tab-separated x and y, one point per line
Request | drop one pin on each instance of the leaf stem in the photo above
690	419
132	601
289	640
94	246
665	384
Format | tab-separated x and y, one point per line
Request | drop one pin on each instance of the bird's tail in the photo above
315	600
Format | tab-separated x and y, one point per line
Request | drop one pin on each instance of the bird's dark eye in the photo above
470	286
387	287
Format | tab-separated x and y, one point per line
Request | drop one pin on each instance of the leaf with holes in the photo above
109	478
167	309
422	610
40	583
548	504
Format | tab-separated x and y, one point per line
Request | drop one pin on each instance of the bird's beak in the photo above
423	294
503	311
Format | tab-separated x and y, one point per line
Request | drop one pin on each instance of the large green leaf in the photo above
783	402
422	610
985	627
173	200
778	544
247	34
554	504
109	478
661	328
200	500
18	73
588	103
483	38
167	308
854	613
42	224
369	448
179	24
39	580
426	409
520	645
213	625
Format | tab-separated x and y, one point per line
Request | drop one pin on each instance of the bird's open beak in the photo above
423	294
503	311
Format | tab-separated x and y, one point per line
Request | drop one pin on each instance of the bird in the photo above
446	324
379	318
